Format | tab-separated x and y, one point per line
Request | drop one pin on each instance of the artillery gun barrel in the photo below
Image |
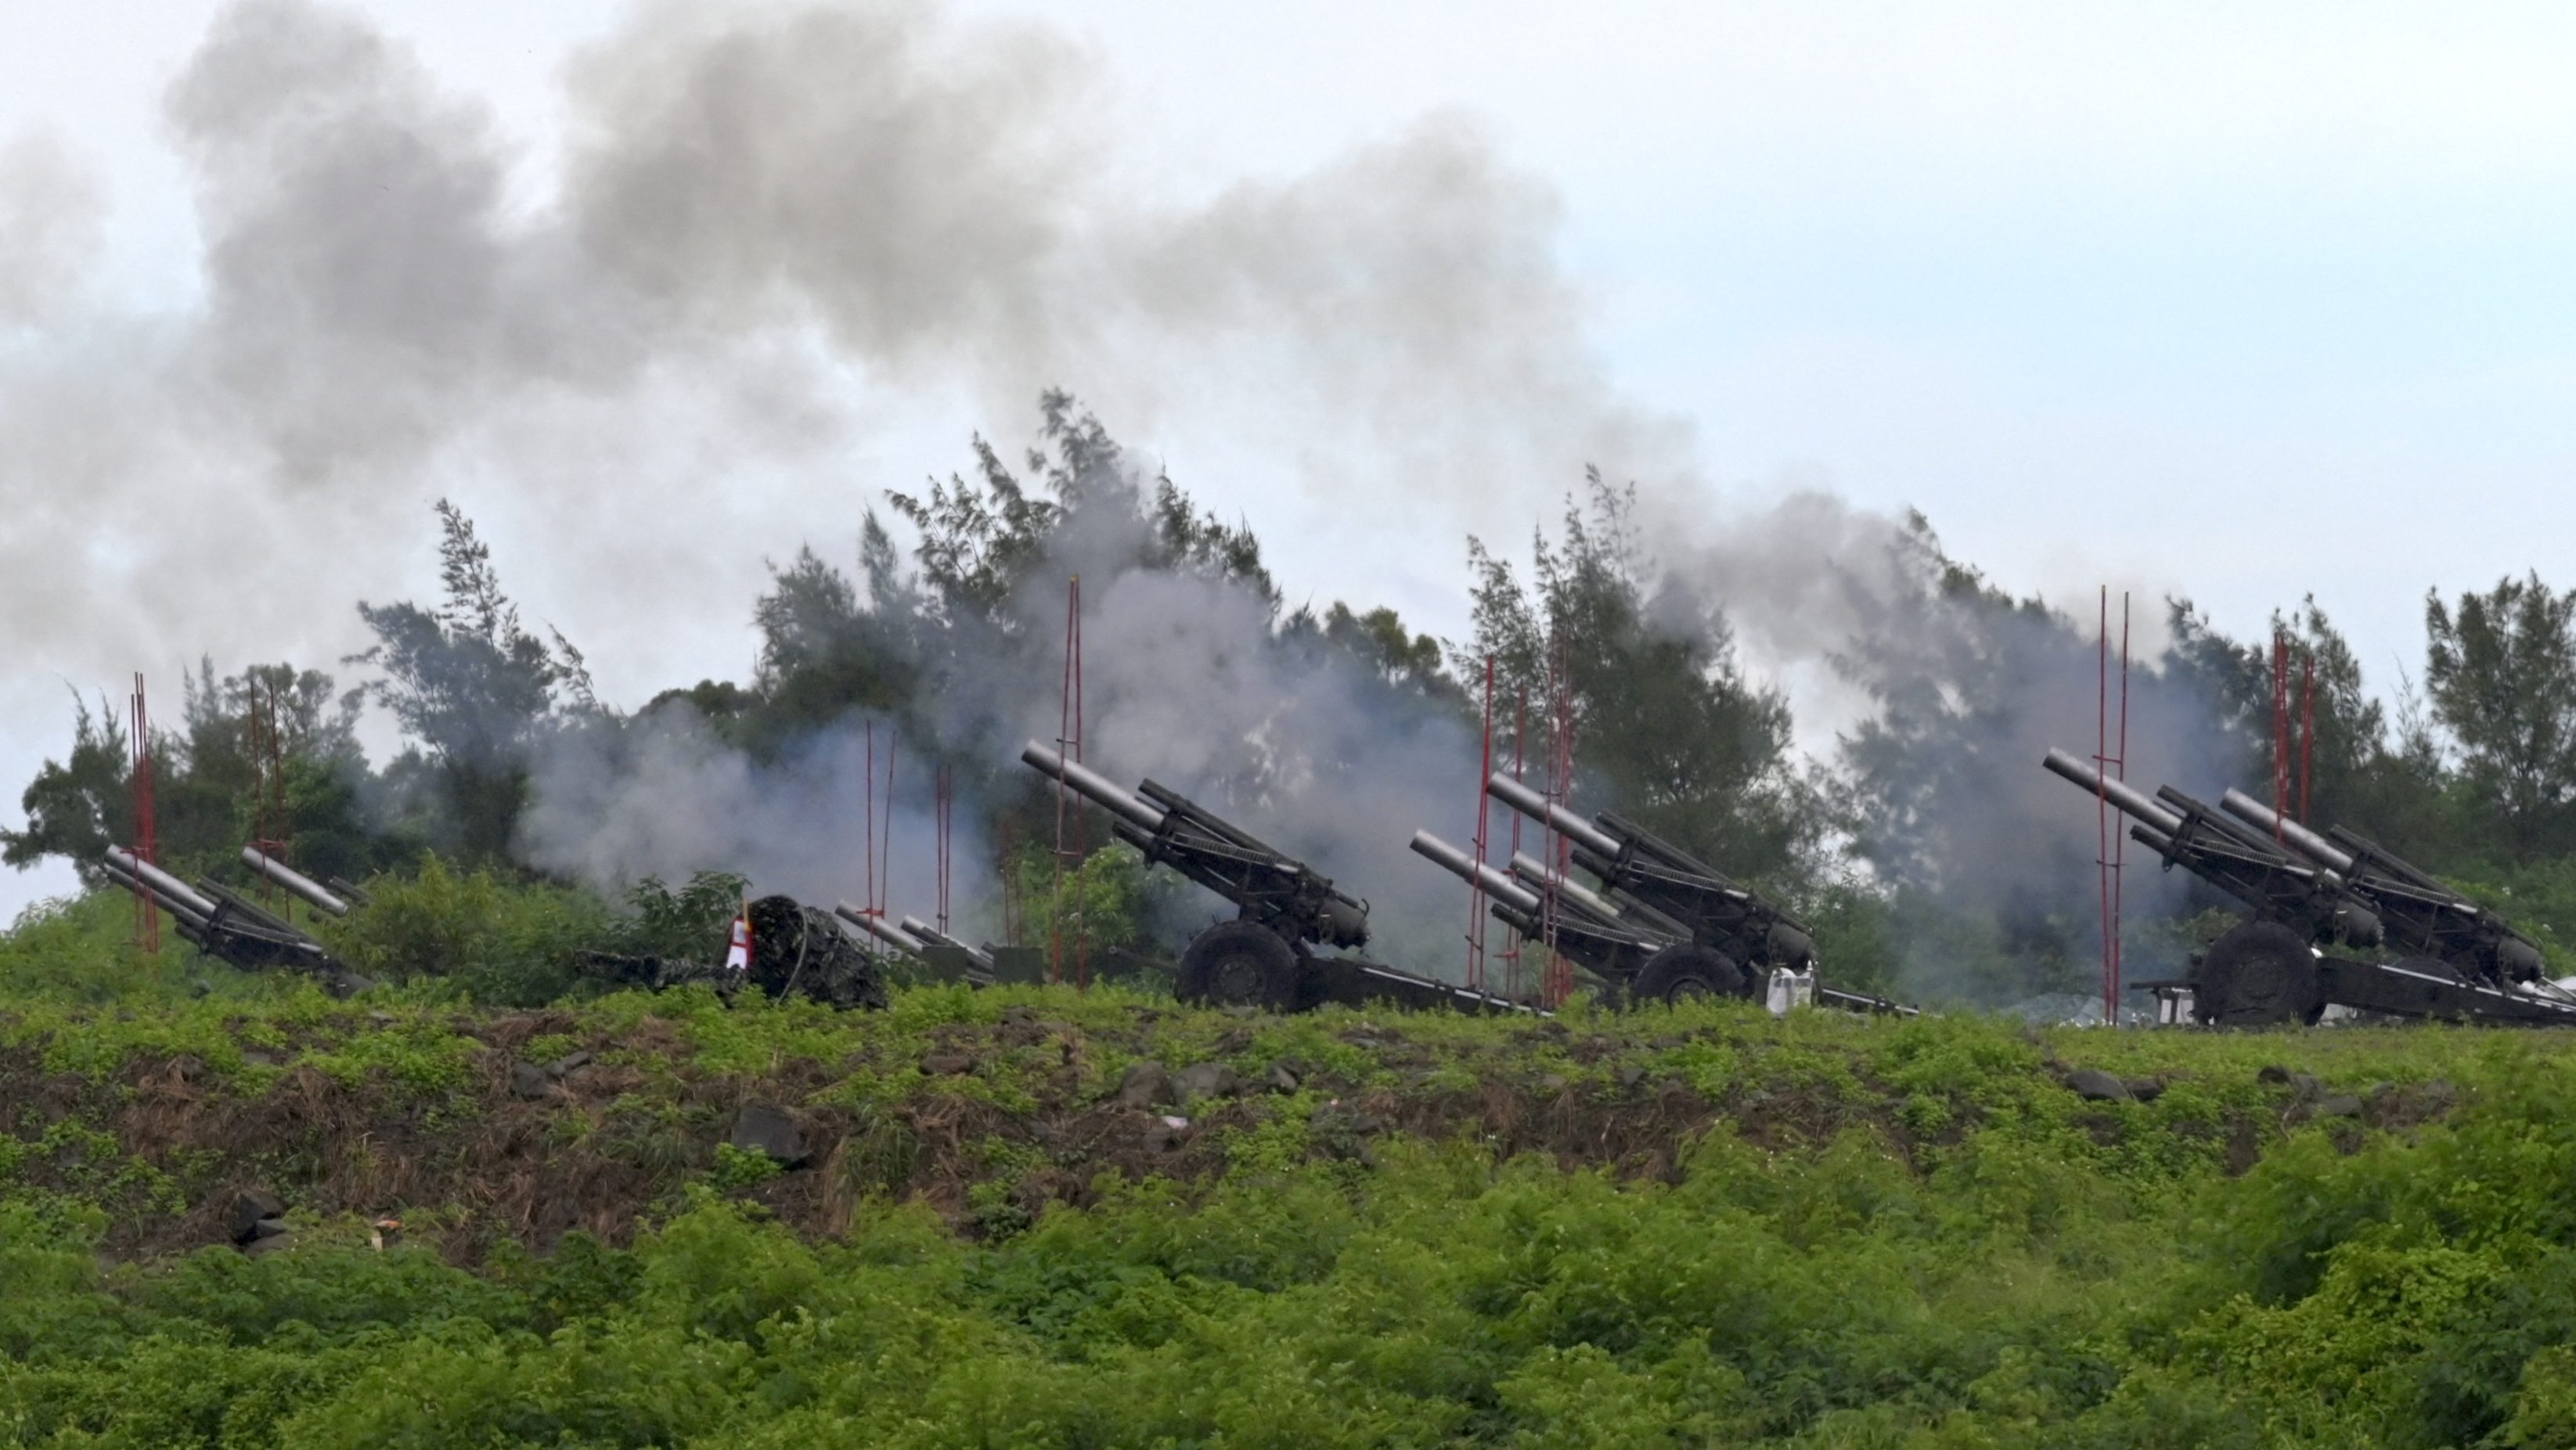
877	926
2243	835
163	884
1050	761
294	881
1467	868
914	926
2380	858
2309	843
1535	874
2120	793
137	887
1539	808
247	912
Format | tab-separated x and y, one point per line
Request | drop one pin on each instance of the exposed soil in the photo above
609	1145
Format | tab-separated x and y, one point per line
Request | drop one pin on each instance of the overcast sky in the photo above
2236	302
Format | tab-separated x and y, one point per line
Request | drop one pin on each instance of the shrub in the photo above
497	940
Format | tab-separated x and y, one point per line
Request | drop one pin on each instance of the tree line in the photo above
2467	766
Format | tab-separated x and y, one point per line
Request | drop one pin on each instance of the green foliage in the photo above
738	1169
1675	1227
473	686
1854	929
1106	899
2501	669
2539	897
687	924
214	789
495	939
206	780
1678	737
80	949
79	806
1896	1233
822	654
1412	665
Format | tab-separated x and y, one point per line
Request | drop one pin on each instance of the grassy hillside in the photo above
1684	1228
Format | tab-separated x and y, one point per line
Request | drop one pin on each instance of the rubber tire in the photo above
1680	972
1239	963
2259	974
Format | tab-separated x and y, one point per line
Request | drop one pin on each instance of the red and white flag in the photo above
738	955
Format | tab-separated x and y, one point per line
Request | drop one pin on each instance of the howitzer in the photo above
1281	893
1285	909
925	943
1731	936
1534	874
2235	858
224	924
875	925
1610	939
1589	930
2304	898
977	959
2419	914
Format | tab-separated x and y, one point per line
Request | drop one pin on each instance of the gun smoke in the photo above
776	230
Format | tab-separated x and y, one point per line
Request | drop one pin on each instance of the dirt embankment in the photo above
554	1124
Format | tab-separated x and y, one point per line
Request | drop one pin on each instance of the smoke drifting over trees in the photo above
774	229
771	227
1932	854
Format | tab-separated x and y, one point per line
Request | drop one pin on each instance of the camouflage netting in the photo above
796	949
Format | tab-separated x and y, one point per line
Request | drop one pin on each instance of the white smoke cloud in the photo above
665	797
778	230
50	224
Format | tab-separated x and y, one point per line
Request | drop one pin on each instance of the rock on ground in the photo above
254	1213
1146	1085
766	1128
1206	1080
2094	1085
529	1083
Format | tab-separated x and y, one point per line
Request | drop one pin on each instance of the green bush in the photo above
82	949
1897	1233
494	939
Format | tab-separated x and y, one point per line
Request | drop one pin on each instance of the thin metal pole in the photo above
943	789
1513	941
885	879
2307	731
2119	838
868	820
2280	731
2101	793
147	846
1476	884
1068	816
1557	980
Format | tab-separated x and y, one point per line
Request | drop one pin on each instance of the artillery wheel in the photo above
2259	974
1680	973
1239	963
